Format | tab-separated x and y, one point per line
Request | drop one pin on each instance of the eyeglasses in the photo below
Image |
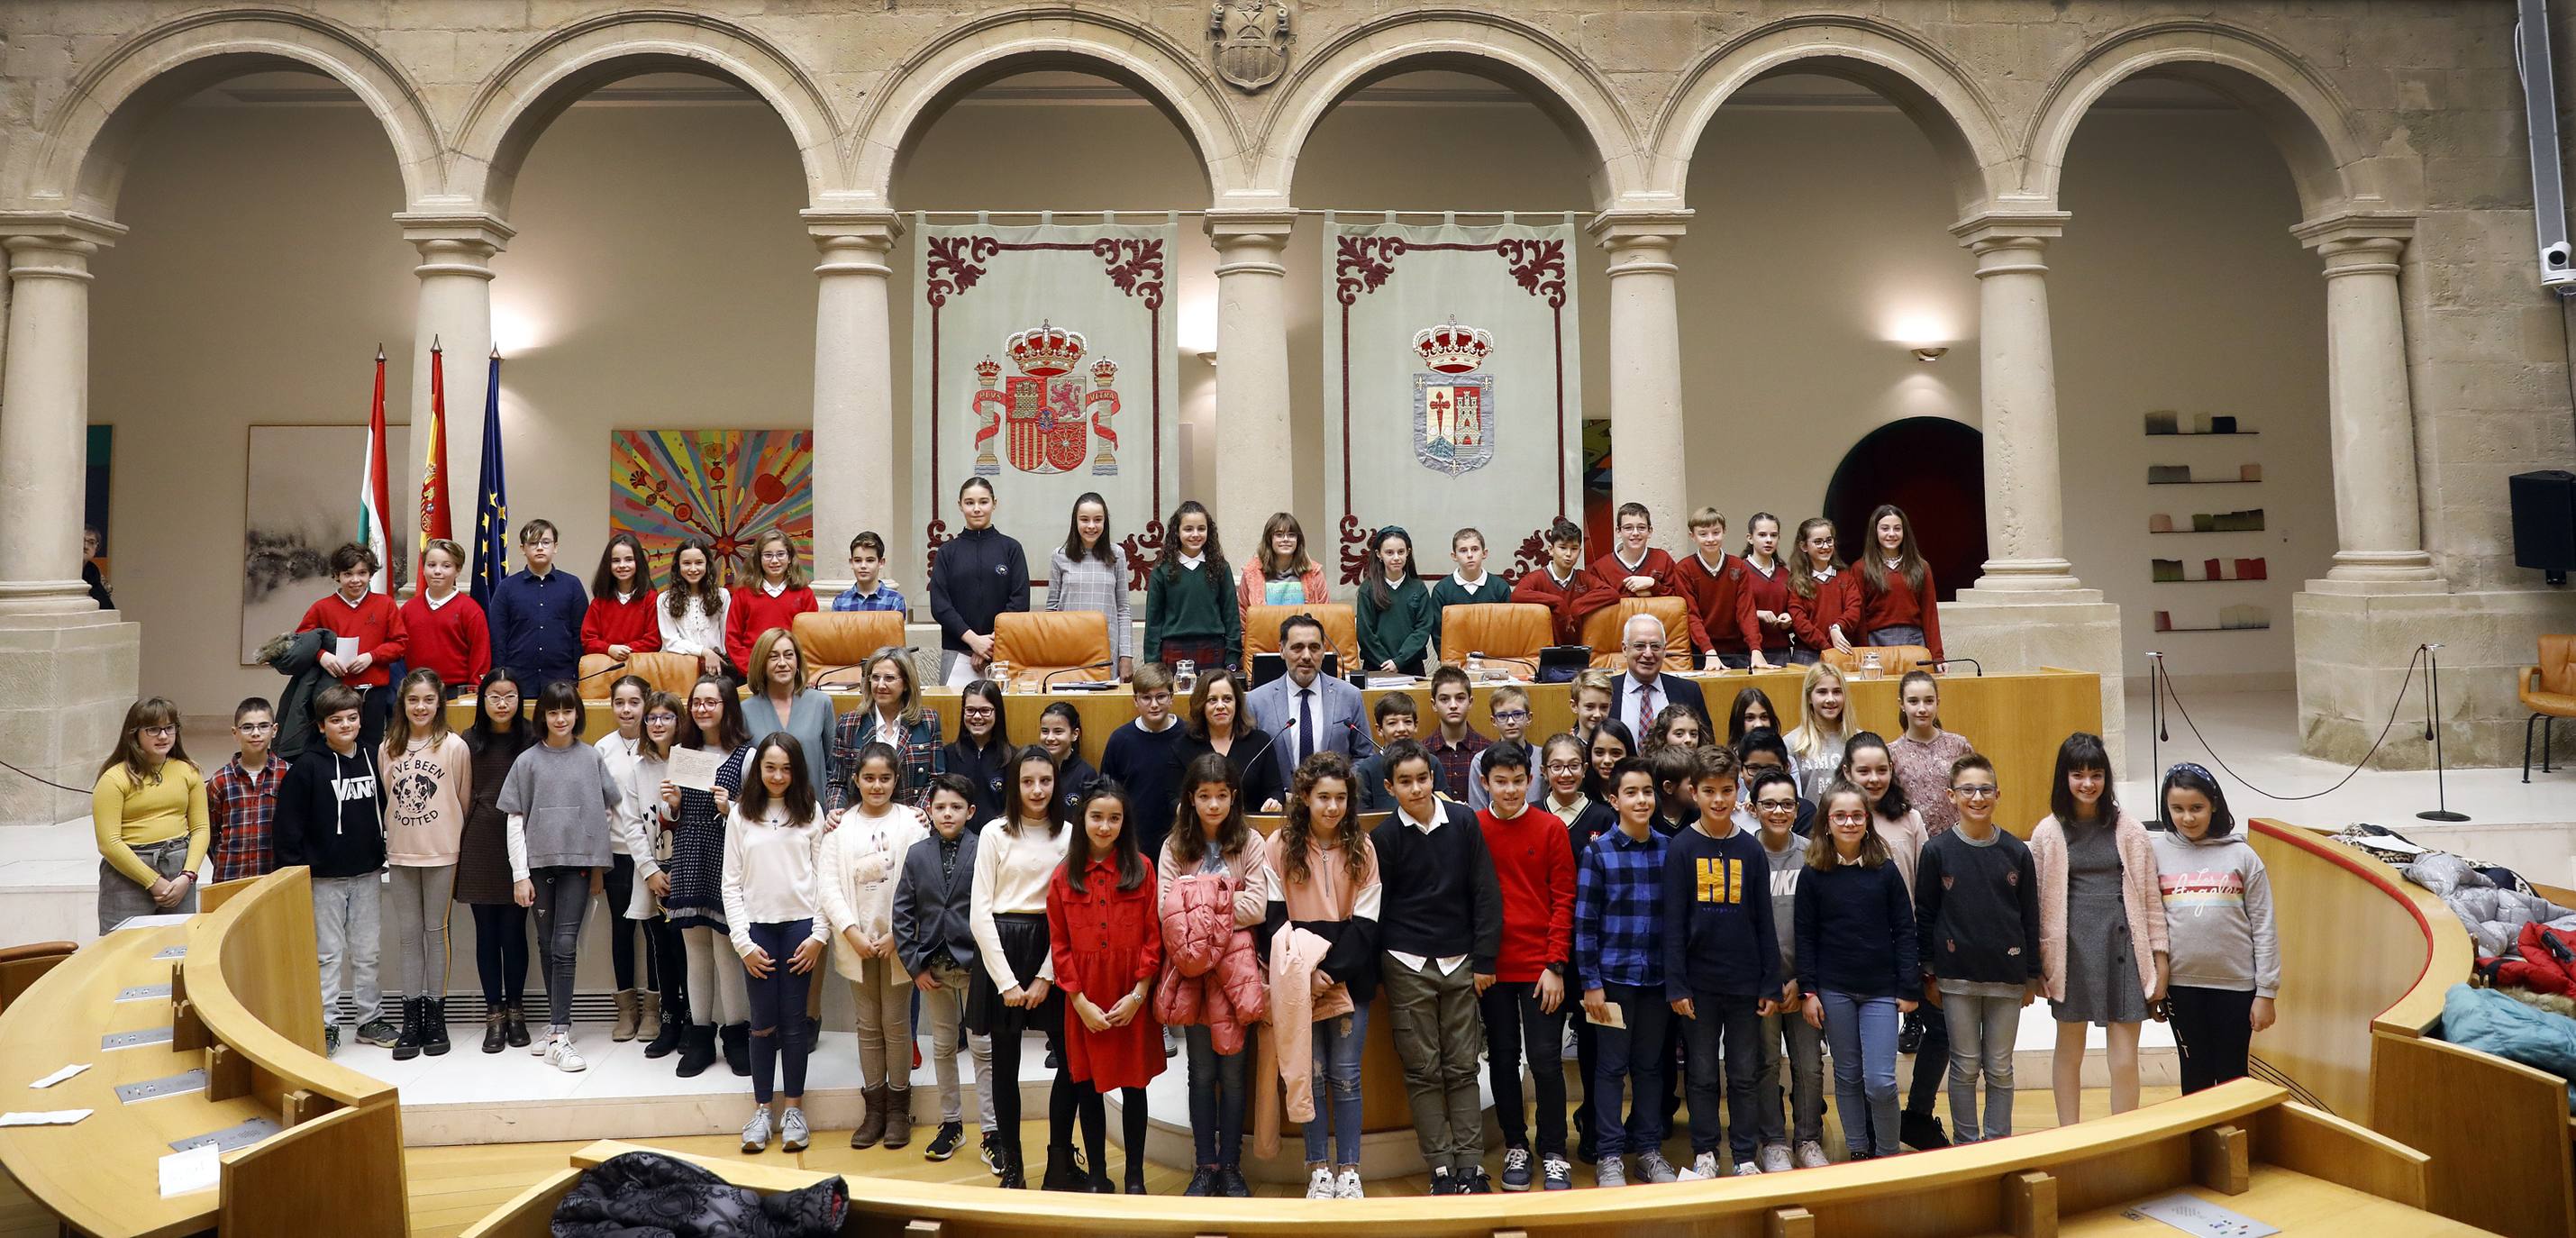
1565	767
255	728
1976	791
159	732
547	542
1511	715
1776	805
979	711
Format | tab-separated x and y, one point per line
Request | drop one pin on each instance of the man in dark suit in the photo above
1306	711
936	944
1644	691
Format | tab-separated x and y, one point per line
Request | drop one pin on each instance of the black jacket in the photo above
331	813
1438	894
980	573
299	658
988	768
1256	767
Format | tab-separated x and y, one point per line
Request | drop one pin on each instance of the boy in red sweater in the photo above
1634	569
1534	867
1564	585
447	629
374	623
1710	580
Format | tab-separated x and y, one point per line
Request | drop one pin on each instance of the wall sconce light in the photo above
1931	352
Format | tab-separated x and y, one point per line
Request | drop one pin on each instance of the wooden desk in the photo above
2016	719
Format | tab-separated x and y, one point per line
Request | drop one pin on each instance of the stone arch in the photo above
514	107
79	153
1087	40
1897	64
1530	60
2308	120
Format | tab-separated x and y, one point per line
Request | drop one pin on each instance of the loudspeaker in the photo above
2544	522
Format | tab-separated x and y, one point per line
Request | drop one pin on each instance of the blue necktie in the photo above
1305	724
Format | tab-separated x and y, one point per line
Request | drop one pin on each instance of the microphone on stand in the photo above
2433	705
1046	682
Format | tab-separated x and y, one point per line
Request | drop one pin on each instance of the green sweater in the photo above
1398	633
1191	604
1447	592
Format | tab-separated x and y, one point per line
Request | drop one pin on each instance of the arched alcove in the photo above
1934	468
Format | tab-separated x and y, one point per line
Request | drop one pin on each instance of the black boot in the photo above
407	1041
737	1048
697	1050
433	1026
1061	1172
675	1024
1007	1170
1921	1132
516	1026
494	1034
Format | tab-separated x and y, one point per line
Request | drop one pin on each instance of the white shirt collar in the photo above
1629	564
1826	572
1892	564
1437	817
628	596
1561	580
344	599
1464	583
435	603
773	589
1192	562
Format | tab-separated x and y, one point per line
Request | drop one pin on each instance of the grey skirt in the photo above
119	899
1899	634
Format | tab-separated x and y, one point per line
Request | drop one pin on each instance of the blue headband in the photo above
2192	768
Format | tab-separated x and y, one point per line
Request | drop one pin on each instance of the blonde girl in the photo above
1816	746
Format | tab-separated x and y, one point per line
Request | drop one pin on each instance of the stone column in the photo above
2017	376
1252	381
71	667
1646	430
854	395
2378	523
455	271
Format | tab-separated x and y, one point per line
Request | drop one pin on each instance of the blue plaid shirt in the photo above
1618	910
887	597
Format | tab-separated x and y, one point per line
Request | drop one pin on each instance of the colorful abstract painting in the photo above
719	486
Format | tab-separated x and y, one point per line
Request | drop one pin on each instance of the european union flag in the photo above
491	500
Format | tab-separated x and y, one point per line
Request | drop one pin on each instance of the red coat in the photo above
1712	602
1898	605
612	622
1106	940
1837	601
454	640
753	612
1572	603
375	621
1761	592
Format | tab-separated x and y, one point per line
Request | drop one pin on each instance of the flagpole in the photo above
435	504
374	531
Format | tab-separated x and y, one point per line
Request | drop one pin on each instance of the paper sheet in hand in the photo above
2193	1215
1618	1017
58	1117
346	648
694	769
60	1075
200	1168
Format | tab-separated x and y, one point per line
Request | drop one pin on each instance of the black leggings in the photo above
1007	1046
501	952
2214	1028
621	931
669	966
1072	1099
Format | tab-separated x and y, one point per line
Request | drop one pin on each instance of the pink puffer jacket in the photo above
1211	973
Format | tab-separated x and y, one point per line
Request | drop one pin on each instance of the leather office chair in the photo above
2548	690
1341	629
1603	629
1893	660
667	672
1511	631
1040	644
837	643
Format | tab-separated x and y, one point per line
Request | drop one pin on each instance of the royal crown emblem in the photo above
1248	43
1045	419
1453	407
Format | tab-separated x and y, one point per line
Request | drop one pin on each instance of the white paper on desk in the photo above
2193	1215
693	769
58	1117
200	1168
60	1075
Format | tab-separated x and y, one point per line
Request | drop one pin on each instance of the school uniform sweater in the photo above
1191	604
1442	898
1835	604
1534	871
453	638
331	813
754	611
627	621
1712	593
1449	591
1976	910
1899	604
536	626
1147	763
1719	937
1761	592
980	573
1856	932
1398	632
374	620
1569	601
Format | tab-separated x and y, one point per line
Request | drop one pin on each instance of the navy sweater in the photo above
1439	894
1977	910
980	574
1856	932
536	627
1719	939
1147	764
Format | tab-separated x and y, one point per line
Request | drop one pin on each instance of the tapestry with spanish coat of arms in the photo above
1452	394
1044	362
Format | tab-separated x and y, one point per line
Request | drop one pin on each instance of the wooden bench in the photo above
243	1005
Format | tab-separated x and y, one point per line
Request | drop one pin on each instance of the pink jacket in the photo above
1211	971
1296	1007
1252	587
2138	891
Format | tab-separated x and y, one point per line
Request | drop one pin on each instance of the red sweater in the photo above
1572	602
1836	602
612	622
454	640
1899	606
753	612
1667	585
1760	592
1712	602
375	621
1534	867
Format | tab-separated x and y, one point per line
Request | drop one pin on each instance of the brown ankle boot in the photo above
872	1124
627	1012
898	1109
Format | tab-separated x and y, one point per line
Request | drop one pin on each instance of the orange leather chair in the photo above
2548	690
1513	631
667	672
21	966
1602	630
1040	643
1893	660
1341	630
837	643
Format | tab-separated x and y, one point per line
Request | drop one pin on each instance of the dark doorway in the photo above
1935	469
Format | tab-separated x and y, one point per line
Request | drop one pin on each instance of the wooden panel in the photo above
2320	1145
335	1166
531	1213
252	975
2496	1132
227	1072
2221	1158
212	897
2030	1205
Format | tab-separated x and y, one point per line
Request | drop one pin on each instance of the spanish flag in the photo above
434	520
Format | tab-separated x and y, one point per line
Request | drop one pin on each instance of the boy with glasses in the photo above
1775	808
241	799
1511	710
1976	912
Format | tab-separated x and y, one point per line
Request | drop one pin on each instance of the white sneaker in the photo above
561	1055
1652	1167
1347	1186
1775	1158
1811	1155
755	1133
1610	1171
1746	1169
792	1135
1319	1184
1703	1165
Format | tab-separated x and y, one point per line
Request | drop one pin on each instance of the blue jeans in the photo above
1981	1038
774	997
1636	1056
1337	1088
1862	1033
1731	1026
1216	1098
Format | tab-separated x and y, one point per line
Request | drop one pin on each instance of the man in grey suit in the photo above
1306	712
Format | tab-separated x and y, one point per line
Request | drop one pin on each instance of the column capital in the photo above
2384	228
2010	229
471	228
1256	226
861	226
67	231
1652	227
